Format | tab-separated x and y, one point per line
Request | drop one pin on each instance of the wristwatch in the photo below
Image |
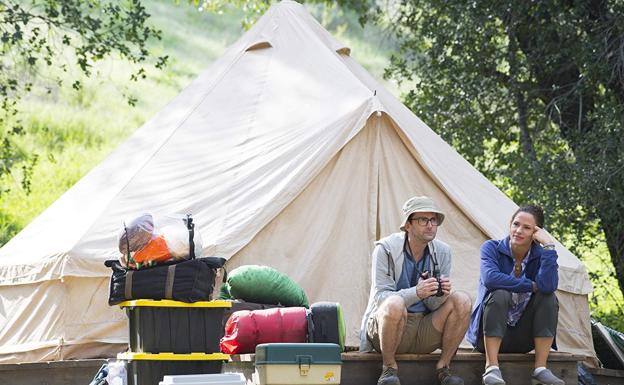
549	246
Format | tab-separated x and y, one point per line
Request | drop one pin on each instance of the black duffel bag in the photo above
187	281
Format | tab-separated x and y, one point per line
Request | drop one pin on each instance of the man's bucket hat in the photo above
421	204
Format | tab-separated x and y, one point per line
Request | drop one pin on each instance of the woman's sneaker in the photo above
493	376
546	377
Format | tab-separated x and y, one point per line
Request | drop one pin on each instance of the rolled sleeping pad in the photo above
328	323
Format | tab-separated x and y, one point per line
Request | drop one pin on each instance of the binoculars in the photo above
436	275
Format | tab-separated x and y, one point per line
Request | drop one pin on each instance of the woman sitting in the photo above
516	308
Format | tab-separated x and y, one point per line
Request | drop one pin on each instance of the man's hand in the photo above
427	287
446	285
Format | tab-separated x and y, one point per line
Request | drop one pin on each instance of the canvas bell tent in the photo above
288	154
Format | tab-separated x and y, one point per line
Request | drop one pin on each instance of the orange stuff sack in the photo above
155	251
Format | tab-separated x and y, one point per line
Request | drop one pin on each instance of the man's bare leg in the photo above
392	315
452	319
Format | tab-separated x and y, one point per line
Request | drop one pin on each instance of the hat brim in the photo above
440	215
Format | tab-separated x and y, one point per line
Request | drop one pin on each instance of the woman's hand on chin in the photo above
541	236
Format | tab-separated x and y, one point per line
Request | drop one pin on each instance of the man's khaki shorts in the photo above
419	335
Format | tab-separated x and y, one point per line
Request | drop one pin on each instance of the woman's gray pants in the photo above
539	319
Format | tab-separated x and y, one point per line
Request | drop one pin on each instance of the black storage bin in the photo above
175	327
149	369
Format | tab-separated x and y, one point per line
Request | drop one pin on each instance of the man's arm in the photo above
383	277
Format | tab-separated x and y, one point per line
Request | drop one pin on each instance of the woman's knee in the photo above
499	298
547	301
546	297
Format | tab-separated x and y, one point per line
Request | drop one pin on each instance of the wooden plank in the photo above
507	357
423	372
356	370
464	356
607	376
75	372
365	368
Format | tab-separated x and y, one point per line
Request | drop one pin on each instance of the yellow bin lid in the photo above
173	356
171	303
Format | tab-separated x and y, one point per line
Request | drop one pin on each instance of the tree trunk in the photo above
614	233
558	85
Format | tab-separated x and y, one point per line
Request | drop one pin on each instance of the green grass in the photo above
72	131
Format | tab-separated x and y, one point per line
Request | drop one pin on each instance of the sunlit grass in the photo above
72	131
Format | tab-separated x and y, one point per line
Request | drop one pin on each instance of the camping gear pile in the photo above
176	328
161	262
165	288
294	321
294	343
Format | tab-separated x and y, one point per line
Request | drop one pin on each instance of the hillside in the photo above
72	131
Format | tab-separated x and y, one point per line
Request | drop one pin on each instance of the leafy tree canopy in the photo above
65	34
532	94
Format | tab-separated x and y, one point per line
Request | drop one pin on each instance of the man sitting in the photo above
411	308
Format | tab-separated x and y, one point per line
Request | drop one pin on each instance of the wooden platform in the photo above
74	372
365	368
357	369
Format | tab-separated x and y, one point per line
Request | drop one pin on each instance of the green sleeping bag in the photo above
263	284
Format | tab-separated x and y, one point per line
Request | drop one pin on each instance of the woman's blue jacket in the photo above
495	273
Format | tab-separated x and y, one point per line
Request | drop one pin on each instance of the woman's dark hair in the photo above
536	211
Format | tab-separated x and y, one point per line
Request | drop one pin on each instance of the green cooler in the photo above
297	363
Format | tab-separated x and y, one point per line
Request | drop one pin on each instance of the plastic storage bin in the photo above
165	326
205	379
150	369
297	363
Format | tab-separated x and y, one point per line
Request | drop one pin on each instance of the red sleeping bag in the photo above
245	329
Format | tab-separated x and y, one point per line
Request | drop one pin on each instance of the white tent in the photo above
289	154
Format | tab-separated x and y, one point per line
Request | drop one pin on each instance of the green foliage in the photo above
71	131
532	94
69	35
606	303
252	9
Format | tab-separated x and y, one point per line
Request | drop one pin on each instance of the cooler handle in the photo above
304	364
